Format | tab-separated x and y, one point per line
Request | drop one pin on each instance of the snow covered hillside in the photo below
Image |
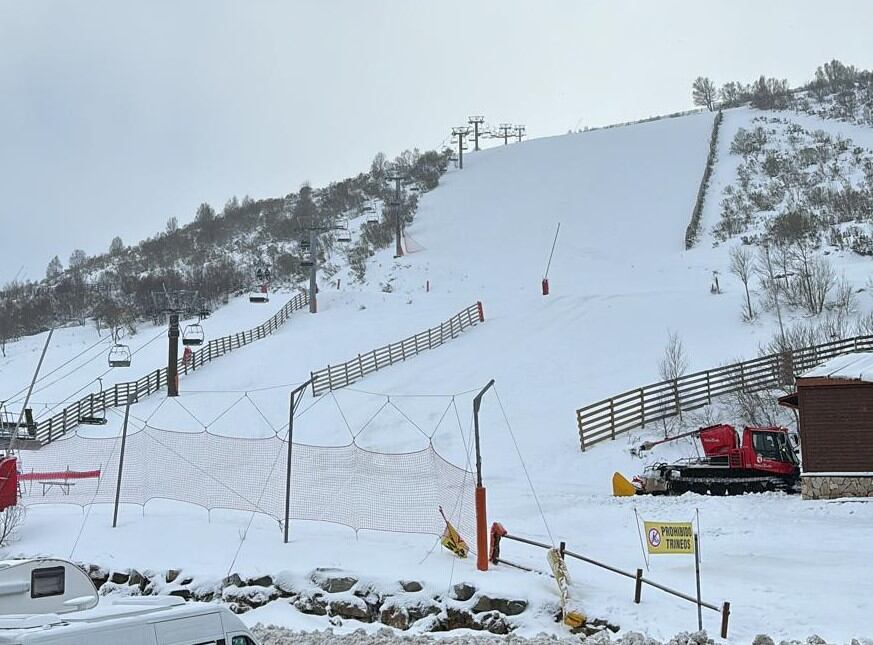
620	282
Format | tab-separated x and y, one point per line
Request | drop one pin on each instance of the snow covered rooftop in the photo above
857	367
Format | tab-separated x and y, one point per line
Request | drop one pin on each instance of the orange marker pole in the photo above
481	515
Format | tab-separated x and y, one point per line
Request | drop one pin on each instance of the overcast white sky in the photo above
116	115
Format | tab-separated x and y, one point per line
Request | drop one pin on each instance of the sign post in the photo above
677	538
697	575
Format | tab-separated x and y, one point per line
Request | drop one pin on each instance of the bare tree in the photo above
675	360
743	266
703	92
813	279
11	520
770	283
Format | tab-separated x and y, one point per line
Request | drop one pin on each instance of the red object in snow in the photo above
8	482
545	286
60	474
263	288
186	355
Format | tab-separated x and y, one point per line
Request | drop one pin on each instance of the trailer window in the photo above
47	582
242	640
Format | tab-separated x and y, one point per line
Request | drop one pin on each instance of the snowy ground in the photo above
620	281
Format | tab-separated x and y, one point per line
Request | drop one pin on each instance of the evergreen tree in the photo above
54	269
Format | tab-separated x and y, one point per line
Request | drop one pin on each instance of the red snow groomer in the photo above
765	461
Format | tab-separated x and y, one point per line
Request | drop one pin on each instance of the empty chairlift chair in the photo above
343	234
193	335
95	418
119	356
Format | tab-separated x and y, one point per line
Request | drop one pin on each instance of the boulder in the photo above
172	574
495	623
463	591
422	610
410	586
351	608
233	580
119	577
99	576
136	578
185	594
261	581
403	616
395	617
314	604
506	607
333	583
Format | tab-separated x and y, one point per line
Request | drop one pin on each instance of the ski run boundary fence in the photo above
693	229
95	403
651	403
334	377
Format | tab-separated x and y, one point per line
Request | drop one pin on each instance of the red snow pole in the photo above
549	265
481	530
481	513
481	311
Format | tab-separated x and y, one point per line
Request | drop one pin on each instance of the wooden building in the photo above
835	404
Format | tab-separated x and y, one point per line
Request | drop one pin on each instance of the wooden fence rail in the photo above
334	377
95	403
651	403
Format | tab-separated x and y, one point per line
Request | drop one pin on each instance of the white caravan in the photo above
44	585
141	620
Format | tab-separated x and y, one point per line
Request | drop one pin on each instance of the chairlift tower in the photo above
397	177
461	132
476	121
505	130
519	131
173	303
312	262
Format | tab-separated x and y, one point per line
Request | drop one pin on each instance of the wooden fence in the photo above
333	377
651	403
95	403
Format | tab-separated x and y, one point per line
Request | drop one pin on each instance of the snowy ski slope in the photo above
620	282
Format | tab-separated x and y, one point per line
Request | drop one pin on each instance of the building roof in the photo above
854	367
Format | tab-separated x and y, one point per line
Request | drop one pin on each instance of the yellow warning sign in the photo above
670	537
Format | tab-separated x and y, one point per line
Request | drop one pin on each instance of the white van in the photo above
142	620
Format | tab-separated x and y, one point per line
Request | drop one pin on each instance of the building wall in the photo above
836	427
833	486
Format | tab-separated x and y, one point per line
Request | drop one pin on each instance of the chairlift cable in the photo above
61	366
67	399
524	467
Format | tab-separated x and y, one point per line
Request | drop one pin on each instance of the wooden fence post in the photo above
725	615
612	417
642	408
708	388
638	589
